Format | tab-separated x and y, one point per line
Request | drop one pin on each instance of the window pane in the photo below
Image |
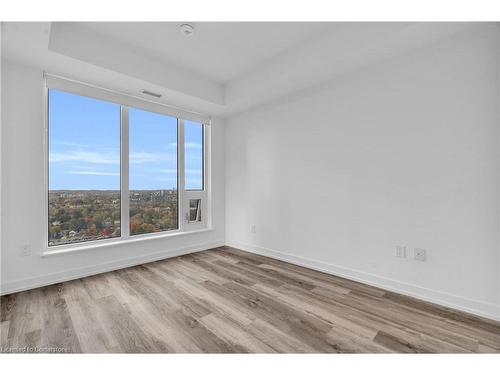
84	169
193	151
194	210
153	172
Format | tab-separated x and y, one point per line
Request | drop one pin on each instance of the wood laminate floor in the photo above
226	300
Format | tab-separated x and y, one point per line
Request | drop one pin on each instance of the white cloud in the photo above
85	156
187	145
95	173
110	157
163	171
71	144
91	167
148	157
187	171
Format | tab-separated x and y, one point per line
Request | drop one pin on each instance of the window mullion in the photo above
180	174
124	172
207	173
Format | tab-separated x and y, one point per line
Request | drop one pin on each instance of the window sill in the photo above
64	249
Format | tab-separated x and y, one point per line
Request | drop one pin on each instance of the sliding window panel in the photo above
153	172
83	168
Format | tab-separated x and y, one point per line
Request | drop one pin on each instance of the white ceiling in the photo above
218	51
224	68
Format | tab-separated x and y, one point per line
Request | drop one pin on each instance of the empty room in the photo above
250	187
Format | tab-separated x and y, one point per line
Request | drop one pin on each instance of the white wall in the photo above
404	153
23	197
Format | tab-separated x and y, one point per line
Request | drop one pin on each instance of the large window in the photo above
84	169
113	170
153	172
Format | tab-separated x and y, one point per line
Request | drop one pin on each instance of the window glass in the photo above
194	210
152	172
84	168
193	160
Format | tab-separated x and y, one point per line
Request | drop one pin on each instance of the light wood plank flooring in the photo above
225	300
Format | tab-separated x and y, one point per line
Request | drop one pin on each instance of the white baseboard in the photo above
76	273
482	309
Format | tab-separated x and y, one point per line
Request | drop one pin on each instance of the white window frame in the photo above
194	194
126	102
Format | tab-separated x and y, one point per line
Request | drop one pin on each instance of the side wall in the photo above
23	192
401	154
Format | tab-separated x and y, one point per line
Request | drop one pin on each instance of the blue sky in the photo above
84	146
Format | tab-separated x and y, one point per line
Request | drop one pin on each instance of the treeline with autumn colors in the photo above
153	211
76	216
85	215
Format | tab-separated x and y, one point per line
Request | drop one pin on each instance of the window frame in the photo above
126	102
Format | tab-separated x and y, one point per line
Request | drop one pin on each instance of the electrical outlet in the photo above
419	254
401	251
253	229
25	250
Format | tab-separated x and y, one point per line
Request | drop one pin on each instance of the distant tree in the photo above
145	228
133	227
54	231
92	229
149	216
76	224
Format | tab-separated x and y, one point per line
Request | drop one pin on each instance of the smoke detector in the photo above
186	29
